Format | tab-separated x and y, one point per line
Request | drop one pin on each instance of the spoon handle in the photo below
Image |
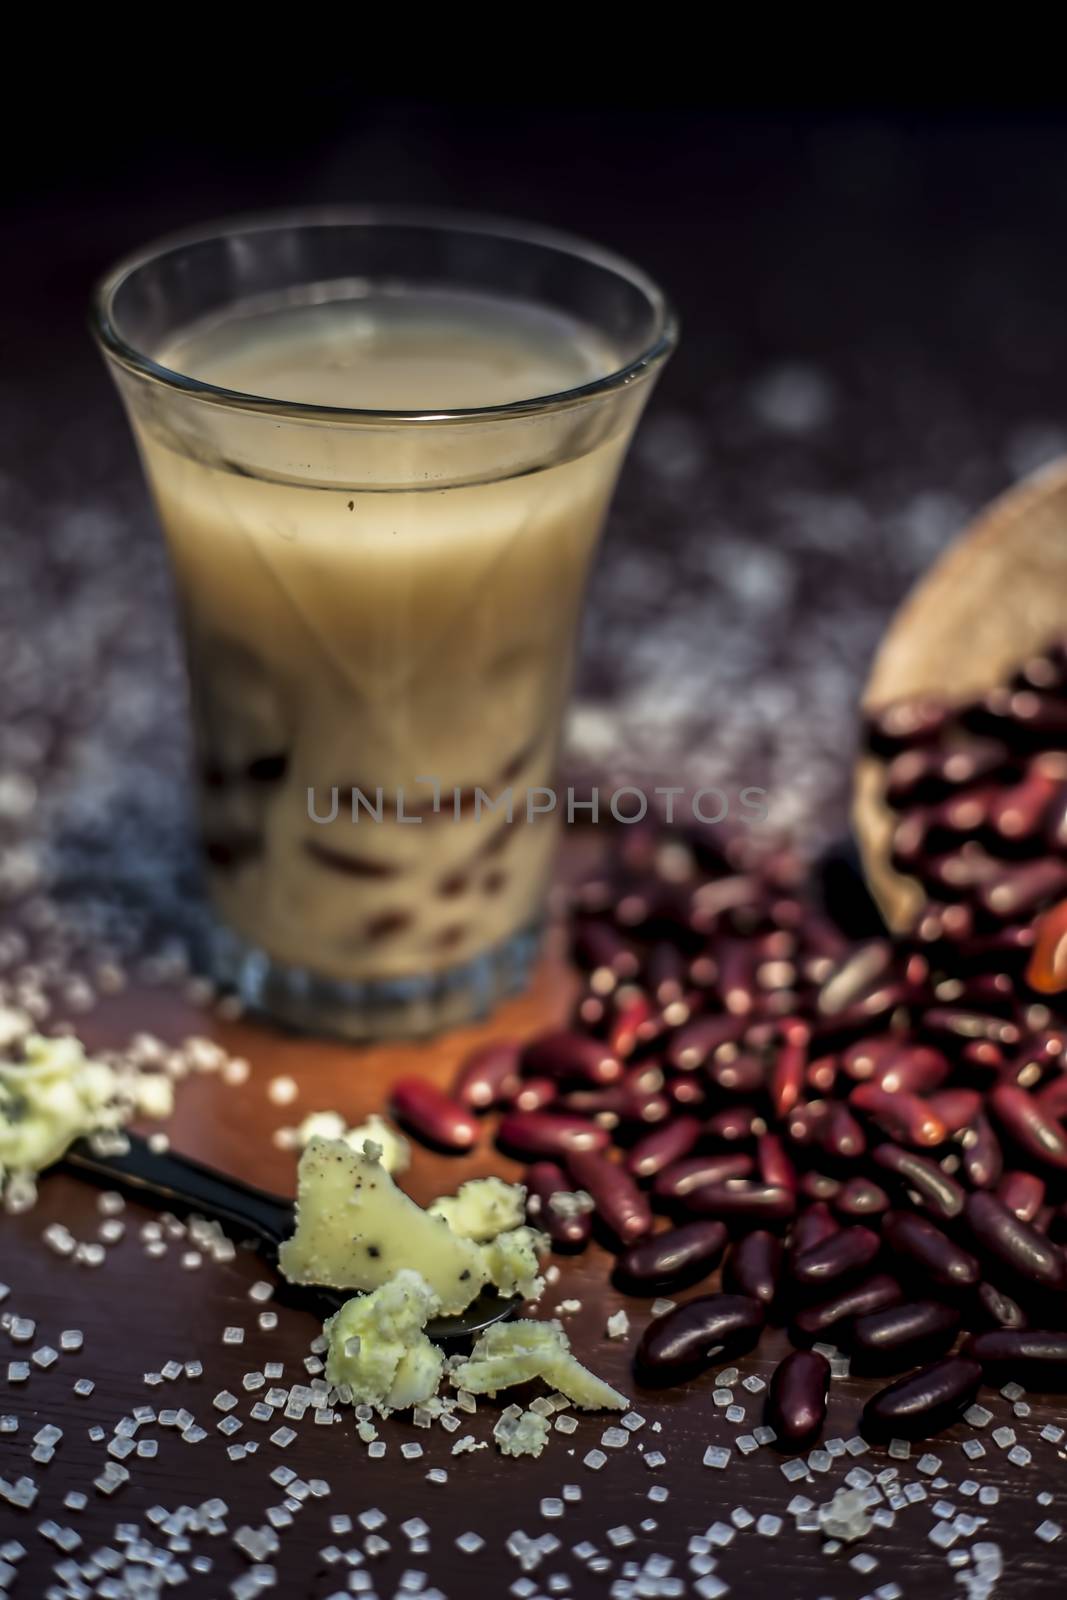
185	1185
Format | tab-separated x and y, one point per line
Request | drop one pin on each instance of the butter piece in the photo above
395	1149
378	1354
355	1230
57	1093
521	1433
514	1352
512	1264
482	1207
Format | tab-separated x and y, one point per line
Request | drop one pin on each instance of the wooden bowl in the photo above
997	596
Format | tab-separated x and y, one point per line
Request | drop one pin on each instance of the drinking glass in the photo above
379	606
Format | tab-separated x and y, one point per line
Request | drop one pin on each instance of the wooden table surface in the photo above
137	1313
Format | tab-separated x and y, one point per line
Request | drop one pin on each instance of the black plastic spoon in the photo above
185	1185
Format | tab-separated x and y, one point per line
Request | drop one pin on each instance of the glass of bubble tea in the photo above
381	446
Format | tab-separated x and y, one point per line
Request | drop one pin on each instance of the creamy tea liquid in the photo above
379	606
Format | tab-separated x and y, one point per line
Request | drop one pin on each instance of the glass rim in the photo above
443	219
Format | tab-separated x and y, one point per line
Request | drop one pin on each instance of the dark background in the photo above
871	294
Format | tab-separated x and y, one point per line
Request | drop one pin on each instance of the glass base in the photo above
375	1009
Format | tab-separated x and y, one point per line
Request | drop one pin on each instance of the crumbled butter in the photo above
56	1093
378	1353
395	1149
509	1353
482	1208
511	1262
355	1230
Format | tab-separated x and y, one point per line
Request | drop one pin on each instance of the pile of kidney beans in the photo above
868	1137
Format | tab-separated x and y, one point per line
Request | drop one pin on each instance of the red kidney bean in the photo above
682	1178
739	1074
1022	1193
773	1162
1021	891
663	1147
620	1204
955	1027
1054	822
1024	1120
1047	966
568	1231
906	723
840	1134
741	1200
1039	1053
546	1134
911	1069
432	1116
734	1125
867	1058
966	813
937	1192
688	1093
692	1045
821	1074
922	1403
796	1400
1006	949
812	1227
902	1336
488	1077
601	950
818	1186
1034	1357
632	1022
737	976
981	1156
622	1103
591	1011
854	977
999	1309
846	1252
872	1294
754	1266
1016	1245
1016	814
904	1117
787	1078
1052	1096
955	1109
959	874
534	1094
570	1057
982	991
672	1259
983	1055
918	1241
860	1197
665	972
804	1123
693	1336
